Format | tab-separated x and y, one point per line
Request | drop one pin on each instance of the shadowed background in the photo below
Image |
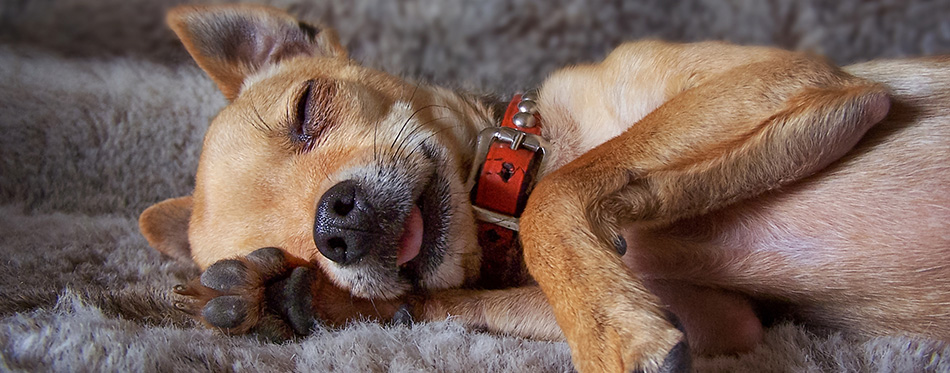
102	114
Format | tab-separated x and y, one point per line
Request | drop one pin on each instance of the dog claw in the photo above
224	275
225	312
673	319
403	315
180	288
678	360
620	244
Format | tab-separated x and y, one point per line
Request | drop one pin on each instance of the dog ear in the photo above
233	42
165	226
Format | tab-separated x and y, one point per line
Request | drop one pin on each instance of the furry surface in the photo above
102	114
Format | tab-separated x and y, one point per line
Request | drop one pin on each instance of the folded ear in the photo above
232	42
165	226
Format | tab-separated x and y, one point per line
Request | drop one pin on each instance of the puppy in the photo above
684	187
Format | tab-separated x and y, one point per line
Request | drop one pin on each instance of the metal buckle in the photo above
517	139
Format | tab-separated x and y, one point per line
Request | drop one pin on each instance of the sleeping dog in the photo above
678	191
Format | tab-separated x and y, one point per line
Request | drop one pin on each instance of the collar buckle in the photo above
516	140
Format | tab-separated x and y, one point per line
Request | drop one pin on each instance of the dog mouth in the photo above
422	242
388	230
410	244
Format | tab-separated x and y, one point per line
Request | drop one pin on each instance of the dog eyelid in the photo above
312	114
302	113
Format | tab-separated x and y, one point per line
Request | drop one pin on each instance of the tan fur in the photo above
734	173
165	224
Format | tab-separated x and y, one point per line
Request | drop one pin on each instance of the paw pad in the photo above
294	302
270	261
266	255
224	275
226	312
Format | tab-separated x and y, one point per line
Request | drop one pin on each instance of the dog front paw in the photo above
624	352
624	336
264	293
277	297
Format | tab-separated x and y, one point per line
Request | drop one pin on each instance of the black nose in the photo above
346	225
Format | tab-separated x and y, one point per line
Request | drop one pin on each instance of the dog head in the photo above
335	163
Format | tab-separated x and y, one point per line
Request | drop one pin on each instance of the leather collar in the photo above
508	160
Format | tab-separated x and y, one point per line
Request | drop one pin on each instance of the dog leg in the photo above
750	129
522	312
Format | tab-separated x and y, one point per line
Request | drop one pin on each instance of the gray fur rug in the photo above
102	114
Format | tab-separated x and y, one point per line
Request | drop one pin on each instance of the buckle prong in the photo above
517	140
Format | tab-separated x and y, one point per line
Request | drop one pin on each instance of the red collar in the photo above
508	161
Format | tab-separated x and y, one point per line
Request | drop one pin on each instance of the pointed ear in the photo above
165	226
232	42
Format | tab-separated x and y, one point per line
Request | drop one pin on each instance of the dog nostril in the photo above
343	206
337	243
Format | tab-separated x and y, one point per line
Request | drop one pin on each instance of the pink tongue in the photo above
411	240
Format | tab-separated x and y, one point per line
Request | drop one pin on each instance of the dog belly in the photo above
862	246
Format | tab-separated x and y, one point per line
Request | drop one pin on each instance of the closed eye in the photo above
313	114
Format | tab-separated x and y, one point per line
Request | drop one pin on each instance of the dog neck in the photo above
508	160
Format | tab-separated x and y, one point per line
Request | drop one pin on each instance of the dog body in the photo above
836	244
737	176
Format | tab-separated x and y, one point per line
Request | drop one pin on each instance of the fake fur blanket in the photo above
102	114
